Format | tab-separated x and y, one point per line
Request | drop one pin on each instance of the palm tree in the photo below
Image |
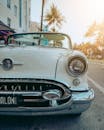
91	30
54	18
97	31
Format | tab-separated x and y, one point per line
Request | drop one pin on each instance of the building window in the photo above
15	10
20	13
9	3
9	22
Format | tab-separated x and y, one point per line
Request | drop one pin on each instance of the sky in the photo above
79	15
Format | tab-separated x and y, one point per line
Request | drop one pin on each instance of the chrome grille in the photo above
30	91
31	87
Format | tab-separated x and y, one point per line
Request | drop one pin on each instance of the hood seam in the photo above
57	65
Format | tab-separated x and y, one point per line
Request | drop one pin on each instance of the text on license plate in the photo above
8	100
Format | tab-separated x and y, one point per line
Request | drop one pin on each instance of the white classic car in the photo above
41	74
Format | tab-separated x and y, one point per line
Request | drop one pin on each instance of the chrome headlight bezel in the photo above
80	62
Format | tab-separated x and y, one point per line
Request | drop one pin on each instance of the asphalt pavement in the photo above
92	119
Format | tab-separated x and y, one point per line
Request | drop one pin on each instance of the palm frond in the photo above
54	17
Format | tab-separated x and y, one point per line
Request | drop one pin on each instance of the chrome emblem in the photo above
7	64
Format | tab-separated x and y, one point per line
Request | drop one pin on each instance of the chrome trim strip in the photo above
14	63
23	93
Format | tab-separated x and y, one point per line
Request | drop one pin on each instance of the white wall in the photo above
5	12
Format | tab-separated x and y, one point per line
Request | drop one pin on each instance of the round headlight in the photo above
77	66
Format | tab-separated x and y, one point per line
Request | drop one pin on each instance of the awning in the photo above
4	29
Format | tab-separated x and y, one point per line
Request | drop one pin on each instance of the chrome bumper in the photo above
79	102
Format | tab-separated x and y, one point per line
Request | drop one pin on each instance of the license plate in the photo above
8	100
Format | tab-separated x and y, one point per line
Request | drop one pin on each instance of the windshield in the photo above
40	39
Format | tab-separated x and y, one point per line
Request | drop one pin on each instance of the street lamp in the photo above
41	26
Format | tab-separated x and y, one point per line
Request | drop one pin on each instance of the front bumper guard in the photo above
79	102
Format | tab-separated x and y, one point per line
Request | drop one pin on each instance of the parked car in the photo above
41	74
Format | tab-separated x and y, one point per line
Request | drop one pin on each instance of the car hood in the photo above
31	62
